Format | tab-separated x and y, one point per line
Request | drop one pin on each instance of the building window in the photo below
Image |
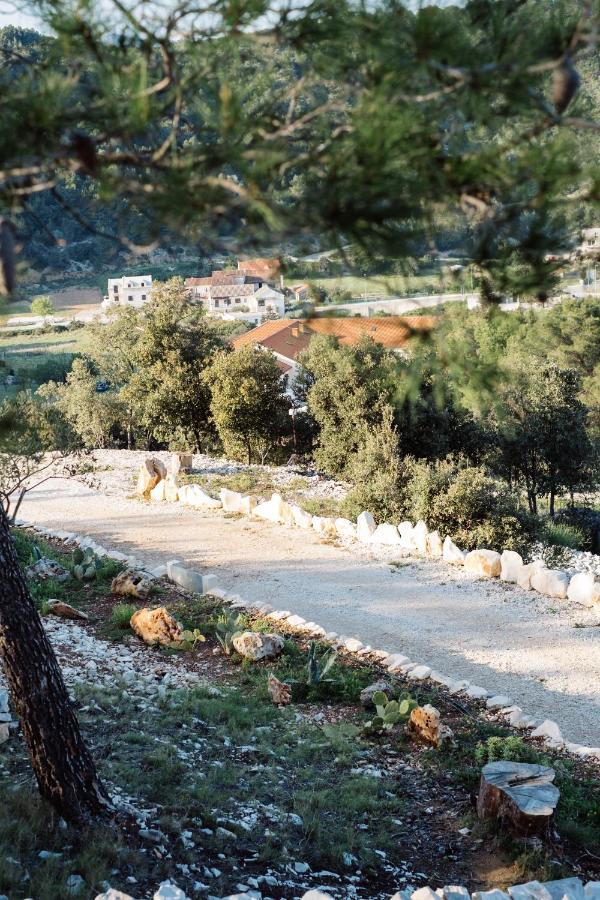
115	288
130	297
143	284
216	303
261	303
237	299
143	296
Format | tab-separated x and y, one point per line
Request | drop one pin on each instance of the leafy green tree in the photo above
248	404
93	416
542	435
166	391
42	306
347	390
33	439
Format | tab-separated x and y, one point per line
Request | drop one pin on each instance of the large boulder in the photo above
419	537
193	495
365	527
156	626
526	573
150	473
171	489
46	568
386	534
181	462
302	519
583	588
486	563
248	505
551	582
255	646
405	530
231	500
425	725
453	554
324	525
158	493
345	528
434	544
130	583
271	510
511	564
65	610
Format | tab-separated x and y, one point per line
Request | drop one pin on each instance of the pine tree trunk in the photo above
64	769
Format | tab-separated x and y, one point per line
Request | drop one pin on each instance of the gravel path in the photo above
492	634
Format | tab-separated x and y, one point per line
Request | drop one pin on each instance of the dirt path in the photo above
492	634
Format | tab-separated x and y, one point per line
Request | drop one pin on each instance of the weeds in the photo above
121	615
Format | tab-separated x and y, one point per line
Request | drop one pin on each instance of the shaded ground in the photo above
229	792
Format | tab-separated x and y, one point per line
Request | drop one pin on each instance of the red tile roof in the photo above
289	337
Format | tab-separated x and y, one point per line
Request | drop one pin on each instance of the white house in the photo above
130	290
236	295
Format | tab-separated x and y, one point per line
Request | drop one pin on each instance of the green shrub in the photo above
586	521
122	613
561	535
378	475
467	504
511	748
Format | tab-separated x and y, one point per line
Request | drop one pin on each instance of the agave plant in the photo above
189	639
318	668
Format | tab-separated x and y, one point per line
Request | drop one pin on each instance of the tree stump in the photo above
520	795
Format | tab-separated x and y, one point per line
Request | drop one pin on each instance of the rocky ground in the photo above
225	793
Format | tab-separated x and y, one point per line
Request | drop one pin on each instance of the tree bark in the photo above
521	796
62	764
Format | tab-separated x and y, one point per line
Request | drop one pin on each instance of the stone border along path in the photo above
497	697
563	889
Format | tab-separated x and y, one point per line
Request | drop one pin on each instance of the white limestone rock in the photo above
435	547
158	493
255	646
498	701
476	692
345	528
365	527
419	673
405	530
419	537
168	890
584	589
323	525
527	572
301	518
231	500
193	495
551	582
485	563
550	731
511	564
353	645
386	534
248	504
453	554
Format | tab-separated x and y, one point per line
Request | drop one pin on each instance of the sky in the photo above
18	12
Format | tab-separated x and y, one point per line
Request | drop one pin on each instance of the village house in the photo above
288	338
243	293
130	290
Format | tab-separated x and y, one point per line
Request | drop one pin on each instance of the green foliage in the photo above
586	521
464	502
388	713
510	748
42	306
247	403
229	624
561	535
86	565
189	639
347	390
121	615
